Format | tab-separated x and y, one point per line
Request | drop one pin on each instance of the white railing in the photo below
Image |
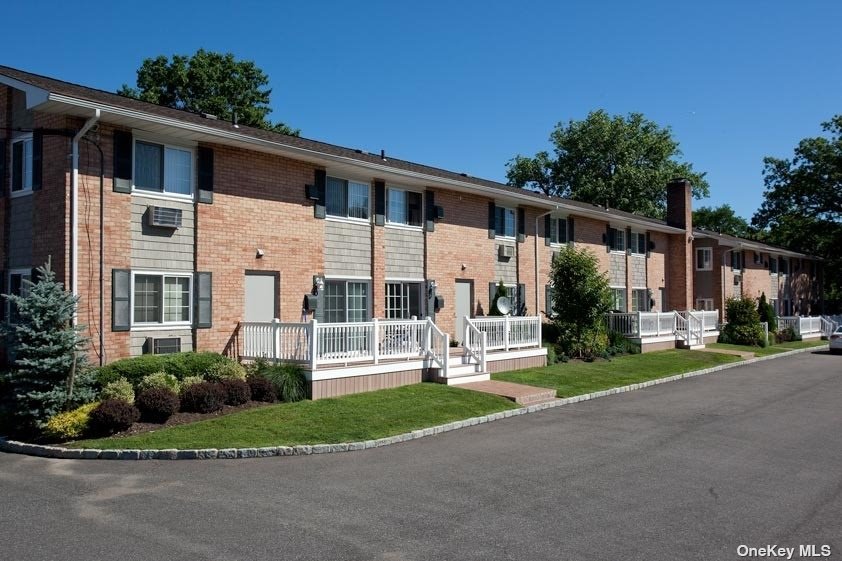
809	325
681	330
341	343
275	340
788	322
627	324
830	325
401	339
656	324
695	328
660	324
710	320
439	348
475	343
508	332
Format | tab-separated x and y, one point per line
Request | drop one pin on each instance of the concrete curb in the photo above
16	447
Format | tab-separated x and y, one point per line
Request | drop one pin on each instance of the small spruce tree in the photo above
48	352
767	313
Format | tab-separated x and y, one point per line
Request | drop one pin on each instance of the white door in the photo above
261	292
462	307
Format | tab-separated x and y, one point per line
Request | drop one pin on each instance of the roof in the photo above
734	241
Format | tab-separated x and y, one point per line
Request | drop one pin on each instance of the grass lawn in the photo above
576	378
350	418
772	349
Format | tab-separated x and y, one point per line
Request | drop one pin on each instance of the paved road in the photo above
688	470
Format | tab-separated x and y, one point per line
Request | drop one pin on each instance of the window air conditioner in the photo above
163	217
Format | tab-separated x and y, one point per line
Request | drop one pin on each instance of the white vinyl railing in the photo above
788	322
710	319
663	324
830	324
475	343
275	340
439	349
809	325
506	332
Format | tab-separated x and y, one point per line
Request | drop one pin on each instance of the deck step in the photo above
466	379
519	393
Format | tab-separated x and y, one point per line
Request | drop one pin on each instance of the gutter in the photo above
74	209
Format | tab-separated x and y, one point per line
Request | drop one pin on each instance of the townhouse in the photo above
176	230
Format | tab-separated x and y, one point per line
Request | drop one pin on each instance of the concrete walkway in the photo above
741	354
519	393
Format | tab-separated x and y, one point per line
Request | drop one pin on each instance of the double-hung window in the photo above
618	239
558	231
618	299
504	222
704	259
783	266
346	301
22	164
346	199
19	287
736	261
161	298
403	207
704	304
773	265
640	300
403	300
160	168
637	243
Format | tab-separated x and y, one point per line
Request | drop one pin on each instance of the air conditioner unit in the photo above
162	346
737	280
164	217
506	251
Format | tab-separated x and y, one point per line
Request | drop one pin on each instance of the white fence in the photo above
506	333
279	341
804	326
661	324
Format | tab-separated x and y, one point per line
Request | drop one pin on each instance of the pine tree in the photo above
48	351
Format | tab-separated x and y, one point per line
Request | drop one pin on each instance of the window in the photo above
558	230
704	304
161	299
163	169
736	260
637	243
618	239
773	265
704	259
347	199
618	299
774	303
403	207
18	286
346	301
512	295
783	266
504	222
403	300
640	300
22	164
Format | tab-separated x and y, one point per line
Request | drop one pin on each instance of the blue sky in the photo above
467	85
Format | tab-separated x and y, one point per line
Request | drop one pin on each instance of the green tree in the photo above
622	162
743	327
802	206
766	312
48	351
584	298
721	219
208	82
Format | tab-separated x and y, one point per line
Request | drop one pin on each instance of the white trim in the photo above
523	353
24	190
396	279
34	95
634	248
514	223
346	277
656	339
399	226
185	147
162	324
162	327
357	221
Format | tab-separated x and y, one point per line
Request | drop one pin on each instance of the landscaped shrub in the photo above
156	405
70	424
191	380
549	332
237	392
257	366
786	334
118	389
159	380
289	381
261	388
766	312
743	326
206	397
225	370
551	356
112	415
180	365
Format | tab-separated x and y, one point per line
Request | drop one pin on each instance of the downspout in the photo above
74	209
722	282
537	299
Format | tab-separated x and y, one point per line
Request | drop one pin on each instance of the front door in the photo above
261	302
463	306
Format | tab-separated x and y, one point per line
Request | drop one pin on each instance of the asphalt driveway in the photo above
687	470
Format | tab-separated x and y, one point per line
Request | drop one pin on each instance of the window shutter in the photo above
648	246
37	159
548	224
121	283
492	290
17	166
204	300
2	169
492	219
521	225
521	300
34	275
3	301
379	203
430	211
548	300
205	165
570	230
122	162
628	241
321	186
609	238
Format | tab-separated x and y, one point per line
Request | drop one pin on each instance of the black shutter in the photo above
521	225
521	300
548	300
648	245
122	162
205	173
548	224
379	203
3	301
492	290
628	242
321	186
121	283
37	159
2	168
204	300
34	275
17	166
492	220
430	211
570	231
609	238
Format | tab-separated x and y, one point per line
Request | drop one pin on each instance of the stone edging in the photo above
306	450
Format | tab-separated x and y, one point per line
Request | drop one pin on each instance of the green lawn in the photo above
772	349
576	378
350	418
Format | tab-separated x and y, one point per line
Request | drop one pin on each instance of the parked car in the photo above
836	341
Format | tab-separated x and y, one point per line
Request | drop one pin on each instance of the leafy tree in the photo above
622	162
743	327
208	82
721	219
584	298
48	352
802	207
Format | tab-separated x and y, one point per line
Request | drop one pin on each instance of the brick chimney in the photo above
679	267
